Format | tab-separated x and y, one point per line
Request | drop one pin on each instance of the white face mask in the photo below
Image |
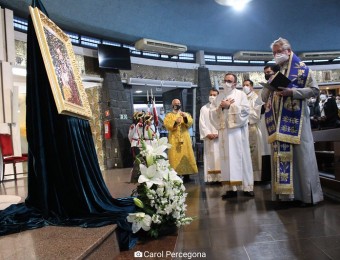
281	58
338	101
312	100
246	89
228	87
161	112
211	99
323	97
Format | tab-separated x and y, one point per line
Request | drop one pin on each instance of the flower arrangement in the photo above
160	195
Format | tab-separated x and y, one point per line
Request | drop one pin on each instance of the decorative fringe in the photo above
232	183
214	172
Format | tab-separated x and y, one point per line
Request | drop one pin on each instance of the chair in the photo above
8	154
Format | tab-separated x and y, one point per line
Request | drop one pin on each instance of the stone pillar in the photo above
200	58
7	59
117	107
202	94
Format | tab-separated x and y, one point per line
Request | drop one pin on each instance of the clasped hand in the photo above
179	120
212	136
183	114
226	103
181	117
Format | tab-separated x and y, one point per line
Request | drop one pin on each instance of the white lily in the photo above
172	176
139	220
163	190
158	147
164	141
150	175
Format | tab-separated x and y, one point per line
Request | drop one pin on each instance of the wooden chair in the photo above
8	156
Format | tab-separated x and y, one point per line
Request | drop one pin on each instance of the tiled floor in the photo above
257	228
242	227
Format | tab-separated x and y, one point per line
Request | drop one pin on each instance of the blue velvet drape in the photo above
65	184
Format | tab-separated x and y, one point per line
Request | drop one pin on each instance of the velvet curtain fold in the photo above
65	184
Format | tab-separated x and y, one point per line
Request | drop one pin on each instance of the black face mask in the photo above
267	76
177	107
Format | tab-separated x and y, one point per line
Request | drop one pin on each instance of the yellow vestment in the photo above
181	154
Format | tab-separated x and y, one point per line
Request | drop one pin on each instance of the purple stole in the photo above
285	130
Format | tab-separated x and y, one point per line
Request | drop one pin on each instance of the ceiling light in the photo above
138	91
237	4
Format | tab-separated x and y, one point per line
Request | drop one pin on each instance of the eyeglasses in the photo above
227	81
278	51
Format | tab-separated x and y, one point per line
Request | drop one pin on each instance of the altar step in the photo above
56	242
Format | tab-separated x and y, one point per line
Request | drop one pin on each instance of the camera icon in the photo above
138	254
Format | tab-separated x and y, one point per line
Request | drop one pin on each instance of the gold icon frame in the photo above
61	67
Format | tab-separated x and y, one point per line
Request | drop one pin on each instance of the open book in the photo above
278	80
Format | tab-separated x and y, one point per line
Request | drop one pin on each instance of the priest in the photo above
295	175
209	135
181	154
229	114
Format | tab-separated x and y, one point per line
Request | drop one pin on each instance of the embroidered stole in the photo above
283	119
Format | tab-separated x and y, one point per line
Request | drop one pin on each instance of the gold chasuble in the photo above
284	123
181	154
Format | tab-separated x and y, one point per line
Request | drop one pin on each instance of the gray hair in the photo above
283	43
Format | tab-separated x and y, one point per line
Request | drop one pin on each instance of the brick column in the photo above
117	107
202	94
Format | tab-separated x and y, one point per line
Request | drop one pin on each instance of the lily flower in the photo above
139	220
158	147
161	193
172	176
149	175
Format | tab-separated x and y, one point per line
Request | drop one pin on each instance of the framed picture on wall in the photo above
60	63
326	76
245	76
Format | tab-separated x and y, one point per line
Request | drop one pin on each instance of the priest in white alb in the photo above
255	135
229	114
209	135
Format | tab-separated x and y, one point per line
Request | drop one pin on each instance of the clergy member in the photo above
295	172
209	135
181	154
255	135
229	114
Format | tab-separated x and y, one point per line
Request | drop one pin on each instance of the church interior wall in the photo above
88	66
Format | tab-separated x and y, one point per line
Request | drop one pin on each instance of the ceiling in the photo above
309	25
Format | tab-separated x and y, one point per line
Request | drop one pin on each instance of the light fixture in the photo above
237	4
138	91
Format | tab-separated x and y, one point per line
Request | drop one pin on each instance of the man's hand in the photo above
178	120
212	136
226	103
285	92
183	114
